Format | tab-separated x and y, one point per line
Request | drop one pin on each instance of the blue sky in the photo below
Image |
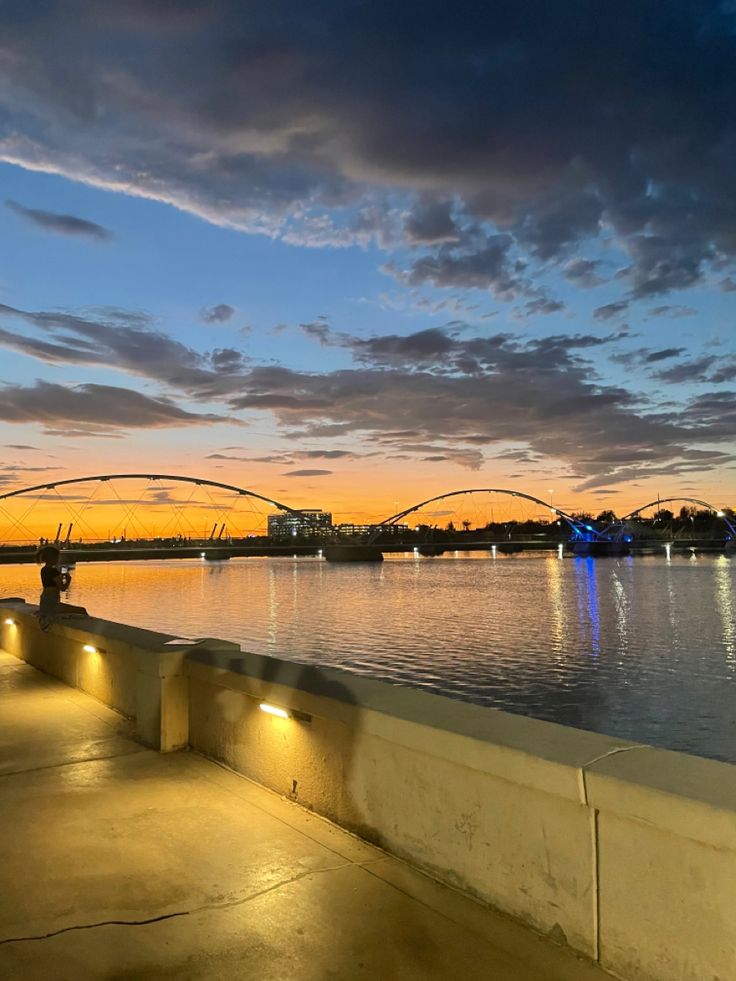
445	256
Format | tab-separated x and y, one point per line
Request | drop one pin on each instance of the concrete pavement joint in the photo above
91	759
230	904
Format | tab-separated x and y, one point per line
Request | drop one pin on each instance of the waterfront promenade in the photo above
120	862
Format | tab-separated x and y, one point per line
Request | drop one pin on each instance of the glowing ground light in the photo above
274	710
91	649
9	622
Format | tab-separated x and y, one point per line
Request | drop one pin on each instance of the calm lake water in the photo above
641	648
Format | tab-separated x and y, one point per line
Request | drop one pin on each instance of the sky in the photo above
352	255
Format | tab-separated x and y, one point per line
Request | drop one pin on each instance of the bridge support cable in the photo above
129	513
18	523
233	506
179	508
77	513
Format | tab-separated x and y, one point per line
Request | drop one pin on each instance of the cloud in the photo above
307	473
227	359
552	129
707	369
218	314
646	356
542	305
127	342
457	394
50	221
431	222
485	264
582	272
93	407
673	312
610	310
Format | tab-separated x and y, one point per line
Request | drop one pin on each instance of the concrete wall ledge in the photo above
686	795
137	672
531	752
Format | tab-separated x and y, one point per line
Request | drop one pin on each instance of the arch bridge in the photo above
628	527
176	501
578	527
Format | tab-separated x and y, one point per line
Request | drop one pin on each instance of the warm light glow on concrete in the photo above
90	649
9	622
274	710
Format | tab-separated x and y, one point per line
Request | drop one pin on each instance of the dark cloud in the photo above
471	264
227	359
582	272
65	224
436	392
662	355
326	455
218	314
610	310
431	222
20	446
95	407
543	305
126	342
560	412
307	473
708	369
645	356
672	312
548	122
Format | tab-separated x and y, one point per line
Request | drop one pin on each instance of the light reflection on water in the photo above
641	648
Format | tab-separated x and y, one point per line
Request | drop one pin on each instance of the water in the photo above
640	648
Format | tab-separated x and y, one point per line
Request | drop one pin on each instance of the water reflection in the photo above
726	607
554	593
640	648
585	579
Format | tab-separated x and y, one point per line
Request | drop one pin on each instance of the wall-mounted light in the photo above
274	710
91	649
9	622
282	713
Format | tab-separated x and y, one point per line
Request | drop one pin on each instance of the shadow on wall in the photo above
314	759
308	757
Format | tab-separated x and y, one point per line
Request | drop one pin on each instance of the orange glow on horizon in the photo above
111	510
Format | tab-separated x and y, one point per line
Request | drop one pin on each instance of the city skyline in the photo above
353	261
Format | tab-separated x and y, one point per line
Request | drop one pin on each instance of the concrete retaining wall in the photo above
625	852
137	672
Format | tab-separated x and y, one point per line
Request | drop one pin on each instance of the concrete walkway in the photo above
119	863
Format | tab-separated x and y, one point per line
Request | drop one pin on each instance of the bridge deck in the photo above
120	862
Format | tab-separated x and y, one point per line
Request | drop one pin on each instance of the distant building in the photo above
358	531
312	523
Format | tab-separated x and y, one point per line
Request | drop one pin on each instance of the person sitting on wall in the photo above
53	582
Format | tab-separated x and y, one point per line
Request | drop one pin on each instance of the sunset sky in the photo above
354	254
